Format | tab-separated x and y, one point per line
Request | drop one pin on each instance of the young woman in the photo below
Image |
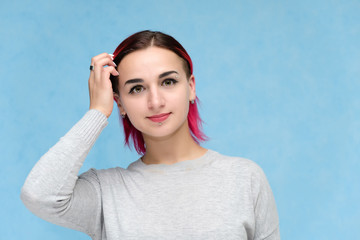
177	189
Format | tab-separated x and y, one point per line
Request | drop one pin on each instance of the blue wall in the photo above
278	80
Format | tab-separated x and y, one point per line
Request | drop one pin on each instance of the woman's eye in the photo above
169	82
136	89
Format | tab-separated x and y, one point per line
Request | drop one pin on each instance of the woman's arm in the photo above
53	191
266	215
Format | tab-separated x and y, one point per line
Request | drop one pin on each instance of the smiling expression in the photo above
154	91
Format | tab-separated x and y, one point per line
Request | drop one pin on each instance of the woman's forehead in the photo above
150	61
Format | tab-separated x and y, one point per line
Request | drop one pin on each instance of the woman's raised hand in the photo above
100	87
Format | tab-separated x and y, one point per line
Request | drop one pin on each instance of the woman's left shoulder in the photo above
235	163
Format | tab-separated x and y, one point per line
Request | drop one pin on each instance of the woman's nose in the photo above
155	99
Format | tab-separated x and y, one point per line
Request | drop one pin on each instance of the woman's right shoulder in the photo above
104	175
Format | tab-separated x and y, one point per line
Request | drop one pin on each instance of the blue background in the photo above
278	81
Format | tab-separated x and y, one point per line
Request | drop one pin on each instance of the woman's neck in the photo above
178	147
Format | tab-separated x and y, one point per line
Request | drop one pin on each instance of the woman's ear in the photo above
118	102
116	98
192	89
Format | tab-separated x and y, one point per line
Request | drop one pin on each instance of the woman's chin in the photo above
159	134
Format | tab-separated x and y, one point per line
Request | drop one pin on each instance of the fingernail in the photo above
115	64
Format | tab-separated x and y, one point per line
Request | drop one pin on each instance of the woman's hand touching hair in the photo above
100	88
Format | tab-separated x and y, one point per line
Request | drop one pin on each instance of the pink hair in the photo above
143	40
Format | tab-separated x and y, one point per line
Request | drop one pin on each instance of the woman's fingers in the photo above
99	62
102	55
100	87
113	71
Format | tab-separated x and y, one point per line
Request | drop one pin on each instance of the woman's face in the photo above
154	91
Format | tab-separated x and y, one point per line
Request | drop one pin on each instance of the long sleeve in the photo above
53	190
266	216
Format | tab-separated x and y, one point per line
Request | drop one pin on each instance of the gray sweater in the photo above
211	197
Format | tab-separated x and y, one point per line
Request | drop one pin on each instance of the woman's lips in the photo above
160	117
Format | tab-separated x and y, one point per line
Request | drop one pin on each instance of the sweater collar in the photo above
186	165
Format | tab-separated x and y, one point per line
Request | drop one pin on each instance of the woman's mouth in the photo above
159	118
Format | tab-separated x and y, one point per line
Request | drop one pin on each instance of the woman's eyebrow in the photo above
139	80
167	73
135	80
